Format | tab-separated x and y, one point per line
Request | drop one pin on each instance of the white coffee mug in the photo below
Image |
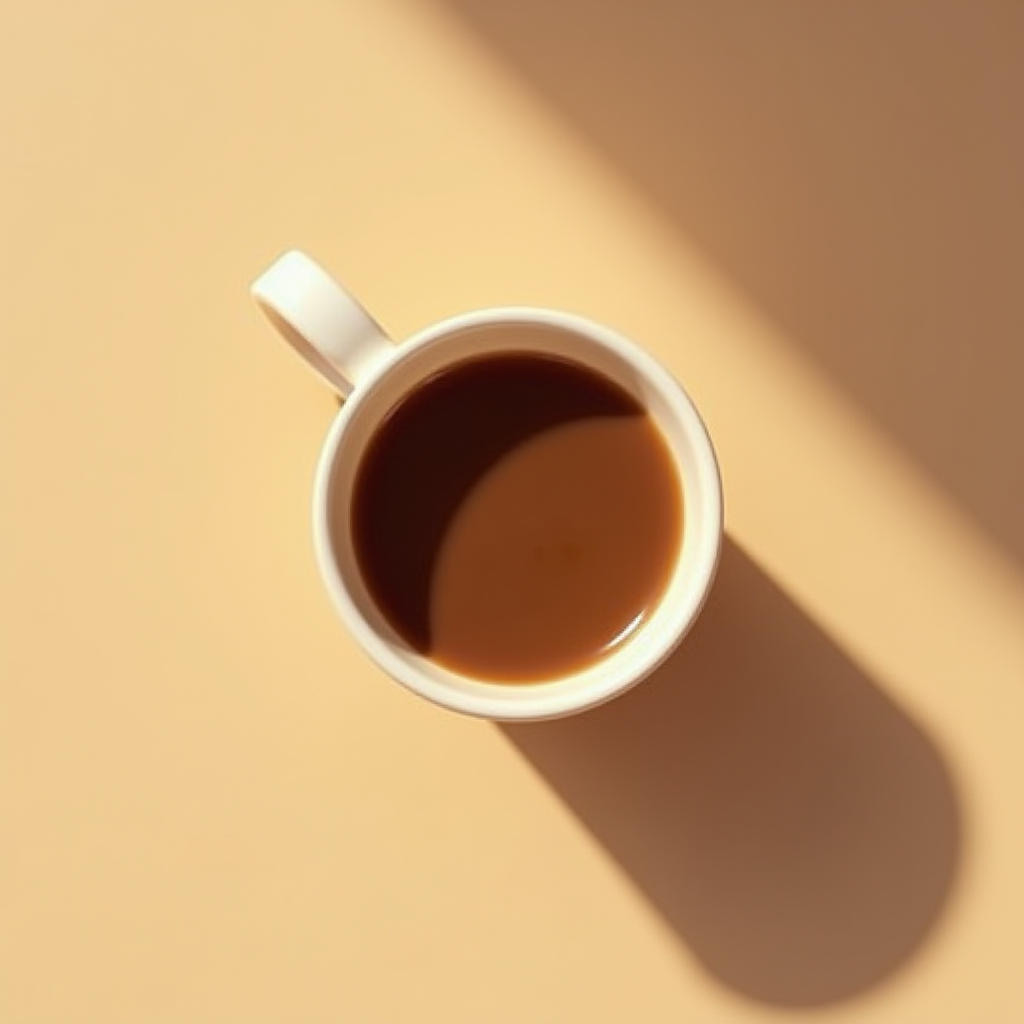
351	352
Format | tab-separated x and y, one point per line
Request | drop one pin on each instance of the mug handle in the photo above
321	321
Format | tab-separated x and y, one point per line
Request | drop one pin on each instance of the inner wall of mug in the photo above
521	331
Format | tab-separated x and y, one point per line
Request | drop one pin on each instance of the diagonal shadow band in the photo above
795	827
854	168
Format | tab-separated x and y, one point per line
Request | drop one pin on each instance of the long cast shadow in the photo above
856	168
795	827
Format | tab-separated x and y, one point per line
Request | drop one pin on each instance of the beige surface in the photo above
212	809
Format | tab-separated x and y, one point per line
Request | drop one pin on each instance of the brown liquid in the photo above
516	516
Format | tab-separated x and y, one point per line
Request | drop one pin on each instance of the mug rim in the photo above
546	698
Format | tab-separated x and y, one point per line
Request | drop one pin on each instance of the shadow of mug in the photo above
795	827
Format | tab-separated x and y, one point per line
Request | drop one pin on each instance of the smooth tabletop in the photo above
215	810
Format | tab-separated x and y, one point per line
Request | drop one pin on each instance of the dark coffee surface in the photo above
515	515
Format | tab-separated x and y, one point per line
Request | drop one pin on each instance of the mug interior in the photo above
589	345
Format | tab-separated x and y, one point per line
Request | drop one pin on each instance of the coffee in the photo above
516	517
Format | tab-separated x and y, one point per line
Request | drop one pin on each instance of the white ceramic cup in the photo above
351	352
